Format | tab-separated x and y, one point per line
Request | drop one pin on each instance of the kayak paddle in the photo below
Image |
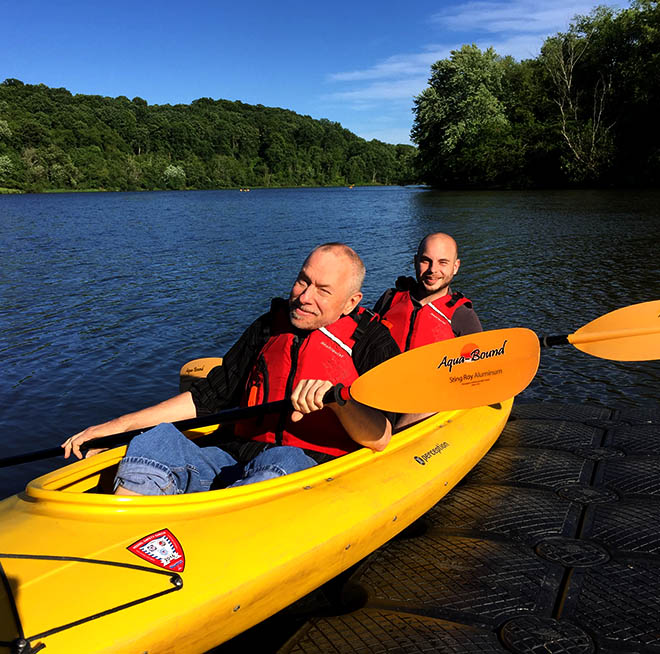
631	333
460	373
195	369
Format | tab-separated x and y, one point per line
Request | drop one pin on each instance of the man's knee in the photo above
162	438
142	476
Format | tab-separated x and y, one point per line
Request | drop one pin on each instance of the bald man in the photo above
425	310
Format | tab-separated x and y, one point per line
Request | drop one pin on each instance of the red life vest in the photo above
284	360
413	326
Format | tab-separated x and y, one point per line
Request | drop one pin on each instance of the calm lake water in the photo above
106	295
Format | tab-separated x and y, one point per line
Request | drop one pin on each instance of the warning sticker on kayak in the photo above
162	549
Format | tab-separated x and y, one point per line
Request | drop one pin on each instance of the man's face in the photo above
323	291
436	265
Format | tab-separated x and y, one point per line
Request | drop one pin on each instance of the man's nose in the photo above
307	294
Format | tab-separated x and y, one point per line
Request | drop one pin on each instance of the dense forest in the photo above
583	113
51	139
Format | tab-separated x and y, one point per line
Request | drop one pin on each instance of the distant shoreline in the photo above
11	191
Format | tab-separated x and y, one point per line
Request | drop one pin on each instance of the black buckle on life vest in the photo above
455	297
362	323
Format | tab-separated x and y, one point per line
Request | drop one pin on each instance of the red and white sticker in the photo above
162	549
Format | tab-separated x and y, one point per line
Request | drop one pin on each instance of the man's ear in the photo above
457	265
352	302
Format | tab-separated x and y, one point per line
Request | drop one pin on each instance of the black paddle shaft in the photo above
549	341
337	393
114	440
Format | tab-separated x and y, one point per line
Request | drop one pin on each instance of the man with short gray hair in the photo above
300	348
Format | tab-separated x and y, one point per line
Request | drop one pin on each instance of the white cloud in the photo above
394	66
511	27
396	89
526	16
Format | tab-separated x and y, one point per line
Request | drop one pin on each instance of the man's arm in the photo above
176	408
366	426
217	391
465	321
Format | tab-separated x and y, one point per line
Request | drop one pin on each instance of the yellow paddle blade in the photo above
195	369
628	334
461	373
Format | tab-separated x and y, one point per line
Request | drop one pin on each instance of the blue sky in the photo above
357	63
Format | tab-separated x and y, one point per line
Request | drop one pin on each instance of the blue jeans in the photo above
162	461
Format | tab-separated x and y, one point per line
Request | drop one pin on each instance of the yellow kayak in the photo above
83	570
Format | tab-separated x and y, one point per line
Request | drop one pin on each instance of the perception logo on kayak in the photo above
162	549
422	459
471	352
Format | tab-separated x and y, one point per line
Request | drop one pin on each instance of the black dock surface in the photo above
550	545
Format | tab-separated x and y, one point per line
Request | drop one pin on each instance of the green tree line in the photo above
583	113
51	139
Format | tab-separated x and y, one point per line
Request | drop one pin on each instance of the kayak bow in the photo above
184	573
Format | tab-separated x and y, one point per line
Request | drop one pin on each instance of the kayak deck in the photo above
243	553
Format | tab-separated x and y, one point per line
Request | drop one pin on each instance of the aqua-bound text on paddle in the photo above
474	355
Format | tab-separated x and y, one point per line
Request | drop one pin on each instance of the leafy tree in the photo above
582	103
461	123
175	177
6	169
582	113
57	140
93	168
5	131
632	44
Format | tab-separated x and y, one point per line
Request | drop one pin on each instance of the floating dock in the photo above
551	544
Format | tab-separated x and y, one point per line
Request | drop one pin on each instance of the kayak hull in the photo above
184	573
